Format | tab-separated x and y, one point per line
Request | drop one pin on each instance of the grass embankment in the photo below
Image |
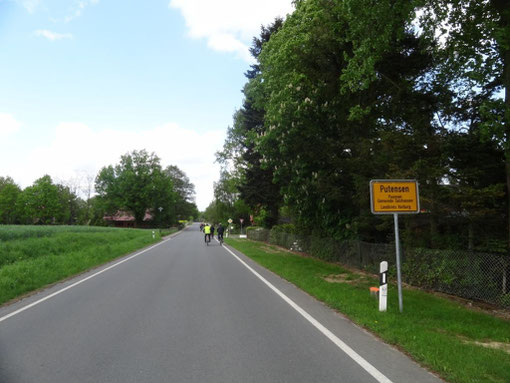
441	334
34	256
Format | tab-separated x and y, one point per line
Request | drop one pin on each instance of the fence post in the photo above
505	272
360	256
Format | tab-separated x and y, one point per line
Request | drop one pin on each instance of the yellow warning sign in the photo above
394	196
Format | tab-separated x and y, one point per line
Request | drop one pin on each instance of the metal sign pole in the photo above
399	278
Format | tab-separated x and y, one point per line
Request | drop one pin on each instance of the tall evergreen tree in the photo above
257	187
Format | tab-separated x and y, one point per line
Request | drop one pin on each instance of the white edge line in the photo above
339	343
79	282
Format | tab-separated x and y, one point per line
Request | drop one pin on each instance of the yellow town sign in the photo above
394	196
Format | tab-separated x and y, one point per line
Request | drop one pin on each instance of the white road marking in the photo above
79	282
339	343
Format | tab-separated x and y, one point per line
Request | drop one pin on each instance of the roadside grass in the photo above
439	333
35	256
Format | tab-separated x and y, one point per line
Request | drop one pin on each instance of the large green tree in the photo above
257	186
323	139
227	203
41	203
347	91
137	184
474	47
184	206
9	194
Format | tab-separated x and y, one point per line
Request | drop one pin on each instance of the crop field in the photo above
34	256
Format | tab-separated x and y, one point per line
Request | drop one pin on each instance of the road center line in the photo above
339	343
80	282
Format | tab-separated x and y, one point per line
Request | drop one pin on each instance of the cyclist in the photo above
207	231
221	230
212	230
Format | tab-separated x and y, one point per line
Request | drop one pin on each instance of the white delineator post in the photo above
383	286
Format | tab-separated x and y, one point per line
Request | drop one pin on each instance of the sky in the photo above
83	82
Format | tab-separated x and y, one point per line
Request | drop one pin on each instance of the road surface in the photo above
185	312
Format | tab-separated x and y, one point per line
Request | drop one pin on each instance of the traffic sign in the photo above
394	196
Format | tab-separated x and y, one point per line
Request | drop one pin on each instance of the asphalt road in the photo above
185	312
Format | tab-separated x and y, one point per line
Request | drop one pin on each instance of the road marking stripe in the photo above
79	282
340	344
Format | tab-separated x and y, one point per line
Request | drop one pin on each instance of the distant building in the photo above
126	219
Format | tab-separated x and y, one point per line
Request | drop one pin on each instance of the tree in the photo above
137	184
348	91
256	183
470	41
475	53
310	138
40	203
9	194
181	182
226	203
70	203
184	206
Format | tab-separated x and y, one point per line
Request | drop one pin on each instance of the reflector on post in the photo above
383	286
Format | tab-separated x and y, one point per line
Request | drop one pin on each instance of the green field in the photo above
460	344
34	256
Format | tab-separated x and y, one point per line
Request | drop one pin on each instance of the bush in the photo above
288	228
257	233
323	248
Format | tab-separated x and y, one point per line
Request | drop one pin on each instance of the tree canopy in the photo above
348	91
138	184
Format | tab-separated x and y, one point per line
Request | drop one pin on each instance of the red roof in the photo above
123	216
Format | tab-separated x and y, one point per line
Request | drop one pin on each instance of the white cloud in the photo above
230	25
8	125
66	12
224	42
76	149
78	9
29	5
52	36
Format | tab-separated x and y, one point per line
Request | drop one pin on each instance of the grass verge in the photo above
460	345
35	256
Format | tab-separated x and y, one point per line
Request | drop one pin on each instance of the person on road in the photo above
221	230
207	232
212	230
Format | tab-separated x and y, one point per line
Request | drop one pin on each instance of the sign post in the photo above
395	197
229	227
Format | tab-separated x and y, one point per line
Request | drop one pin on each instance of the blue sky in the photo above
85	81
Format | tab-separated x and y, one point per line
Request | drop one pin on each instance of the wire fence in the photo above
472	275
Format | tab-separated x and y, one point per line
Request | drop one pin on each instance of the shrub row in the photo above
472	275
